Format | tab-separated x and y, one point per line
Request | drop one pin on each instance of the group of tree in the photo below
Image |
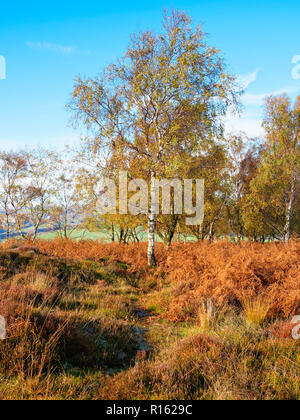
38	191
158	113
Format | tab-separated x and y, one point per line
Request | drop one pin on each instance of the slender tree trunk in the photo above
151	226
7	226
125	236
112	232
65	224
19	226
121	235
287	227
170	238
211	232
172	230
135	236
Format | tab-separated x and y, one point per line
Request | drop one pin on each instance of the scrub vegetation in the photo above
87	320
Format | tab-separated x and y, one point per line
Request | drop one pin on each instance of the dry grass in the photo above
218	322
256	309
222	271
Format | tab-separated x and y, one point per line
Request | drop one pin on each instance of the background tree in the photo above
244	160
67	208
211	164
12	171
270	204
31	199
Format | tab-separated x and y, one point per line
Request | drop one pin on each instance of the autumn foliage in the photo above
225	272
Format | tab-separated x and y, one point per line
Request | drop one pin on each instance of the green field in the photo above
81	234
78	235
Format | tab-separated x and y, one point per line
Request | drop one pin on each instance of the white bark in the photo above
151	226
287	228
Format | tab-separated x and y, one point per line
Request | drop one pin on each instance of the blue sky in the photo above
47	44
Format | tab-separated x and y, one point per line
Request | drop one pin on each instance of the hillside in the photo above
91	321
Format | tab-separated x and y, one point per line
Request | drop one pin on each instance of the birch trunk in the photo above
287	228
7	226
151	226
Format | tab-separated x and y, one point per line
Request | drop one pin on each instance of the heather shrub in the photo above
90	321
43	334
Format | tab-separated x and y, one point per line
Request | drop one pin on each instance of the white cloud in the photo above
287	89
246	79
12	144
254	99
59	142
250	126
250	123
56	142
61	49
258	99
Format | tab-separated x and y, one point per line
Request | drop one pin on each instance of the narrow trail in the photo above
145	321
141	330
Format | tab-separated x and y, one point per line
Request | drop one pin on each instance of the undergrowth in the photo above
90	321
